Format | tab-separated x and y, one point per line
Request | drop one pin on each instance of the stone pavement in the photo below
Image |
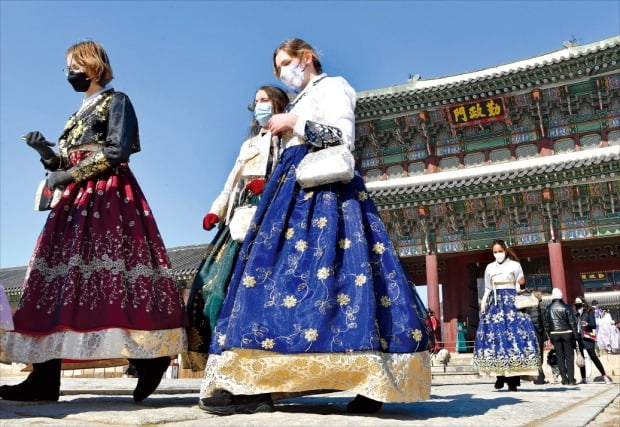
97	401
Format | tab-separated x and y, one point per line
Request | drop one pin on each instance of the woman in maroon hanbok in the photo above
99	283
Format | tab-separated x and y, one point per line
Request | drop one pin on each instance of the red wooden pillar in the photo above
556	262
432	284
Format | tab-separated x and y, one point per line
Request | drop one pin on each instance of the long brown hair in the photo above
279	100
296	48
510	253
93	58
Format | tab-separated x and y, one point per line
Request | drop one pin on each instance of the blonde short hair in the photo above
93	58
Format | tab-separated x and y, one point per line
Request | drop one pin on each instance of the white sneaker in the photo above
607	379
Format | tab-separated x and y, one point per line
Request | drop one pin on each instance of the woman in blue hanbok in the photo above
318	299
506	343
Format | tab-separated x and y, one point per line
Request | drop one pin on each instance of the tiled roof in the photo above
183	259
186	259
435	84
12	278
474	176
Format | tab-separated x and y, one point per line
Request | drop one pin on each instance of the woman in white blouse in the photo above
318	299
506	343
257	157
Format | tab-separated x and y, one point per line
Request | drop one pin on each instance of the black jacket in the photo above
560	317
588	318
536	316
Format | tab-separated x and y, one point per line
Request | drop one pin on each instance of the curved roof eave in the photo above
491	72
504	169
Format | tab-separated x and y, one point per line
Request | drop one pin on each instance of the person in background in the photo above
244	185
607	333
434	329
586	338
561	327
536	316
461	335
318	299
99	283
506	344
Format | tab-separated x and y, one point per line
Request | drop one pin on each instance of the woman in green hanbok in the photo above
257	157
461	335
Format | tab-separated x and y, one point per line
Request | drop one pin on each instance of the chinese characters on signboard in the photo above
474	113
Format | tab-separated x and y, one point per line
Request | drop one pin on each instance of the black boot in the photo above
43	383
363	405
499	382
150	372
513	383
225	403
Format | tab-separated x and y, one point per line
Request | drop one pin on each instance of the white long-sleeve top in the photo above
251	163
508	272
330	102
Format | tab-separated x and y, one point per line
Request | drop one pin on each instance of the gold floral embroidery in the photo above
290	232
323	273
386	301
344	243
221	339
403	377
308	195
301	245
384	344
290	301
267	343
220	253
90	166
362	195
378	248
249	281
416	334
321	222
343	299
360	279
311	334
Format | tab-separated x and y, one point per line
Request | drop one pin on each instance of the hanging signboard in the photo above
478	112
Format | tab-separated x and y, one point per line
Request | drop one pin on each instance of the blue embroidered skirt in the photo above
319	275
506	342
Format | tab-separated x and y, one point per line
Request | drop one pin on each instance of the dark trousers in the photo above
593	357
564	345
541	351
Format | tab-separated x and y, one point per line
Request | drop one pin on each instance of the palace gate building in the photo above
527	152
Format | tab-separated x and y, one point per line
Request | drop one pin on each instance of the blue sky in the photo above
192	67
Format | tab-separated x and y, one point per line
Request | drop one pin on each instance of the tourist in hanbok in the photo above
607	332
99	284
245	183
506	344
318	299
461	335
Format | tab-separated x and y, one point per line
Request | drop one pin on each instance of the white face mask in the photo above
500	256
292	76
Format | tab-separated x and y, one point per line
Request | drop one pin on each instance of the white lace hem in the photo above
102	344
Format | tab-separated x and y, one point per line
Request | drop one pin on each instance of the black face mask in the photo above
79	80
578	306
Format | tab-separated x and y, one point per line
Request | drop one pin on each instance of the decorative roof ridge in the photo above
522	64
186	247
9	269
503	168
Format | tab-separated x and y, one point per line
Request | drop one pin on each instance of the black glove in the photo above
58	178
37	141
